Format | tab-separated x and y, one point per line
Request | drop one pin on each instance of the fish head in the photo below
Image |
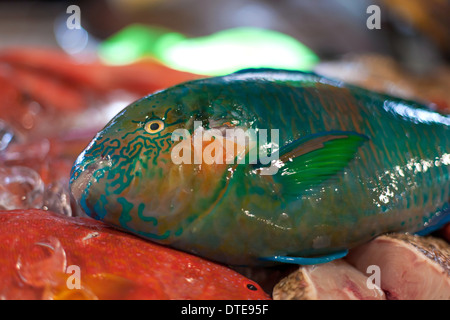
128	175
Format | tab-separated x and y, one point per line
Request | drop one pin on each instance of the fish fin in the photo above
272	70
307	261
438	223
309	161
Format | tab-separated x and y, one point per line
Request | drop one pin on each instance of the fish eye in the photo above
154	126
251	287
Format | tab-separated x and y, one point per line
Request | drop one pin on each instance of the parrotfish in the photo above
351	164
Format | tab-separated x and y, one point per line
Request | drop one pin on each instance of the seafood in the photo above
39	87
396	266
336	280
41	64
41	251
411	267
351	164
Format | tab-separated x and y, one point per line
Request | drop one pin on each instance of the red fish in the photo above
40	86
38	64
44	255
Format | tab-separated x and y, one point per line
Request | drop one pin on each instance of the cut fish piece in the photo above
335	280
411	267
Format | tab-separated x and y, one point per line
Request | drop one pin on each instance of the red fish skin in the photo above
142	77
40	86
113	264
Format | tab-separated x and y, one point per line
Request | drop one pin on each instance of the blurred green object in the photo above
216	54
135	42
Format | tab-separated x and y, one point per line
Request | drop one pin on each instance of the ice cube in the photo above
6	135
20	188
57	198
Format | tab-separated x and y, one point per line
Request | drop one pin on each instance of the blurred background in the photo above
416	32
406	55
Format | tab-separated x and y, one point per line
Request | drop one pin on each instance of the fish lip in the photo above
83	173
80	178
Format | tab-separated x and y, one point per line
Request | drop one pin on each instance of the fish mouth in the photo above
80	179
83	175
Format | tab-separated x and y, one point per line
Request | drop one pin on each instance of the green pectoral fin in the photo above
309	161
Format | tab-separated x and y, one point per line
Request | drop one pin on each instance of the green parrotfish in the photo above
351	164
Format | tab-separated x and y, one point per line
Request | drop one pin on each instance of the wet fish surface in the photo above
351	164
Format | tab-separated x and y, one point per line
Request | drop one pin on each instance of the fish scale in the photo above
353	164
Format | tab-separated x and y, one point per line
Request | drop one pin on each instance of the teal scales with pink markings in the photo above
352	164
